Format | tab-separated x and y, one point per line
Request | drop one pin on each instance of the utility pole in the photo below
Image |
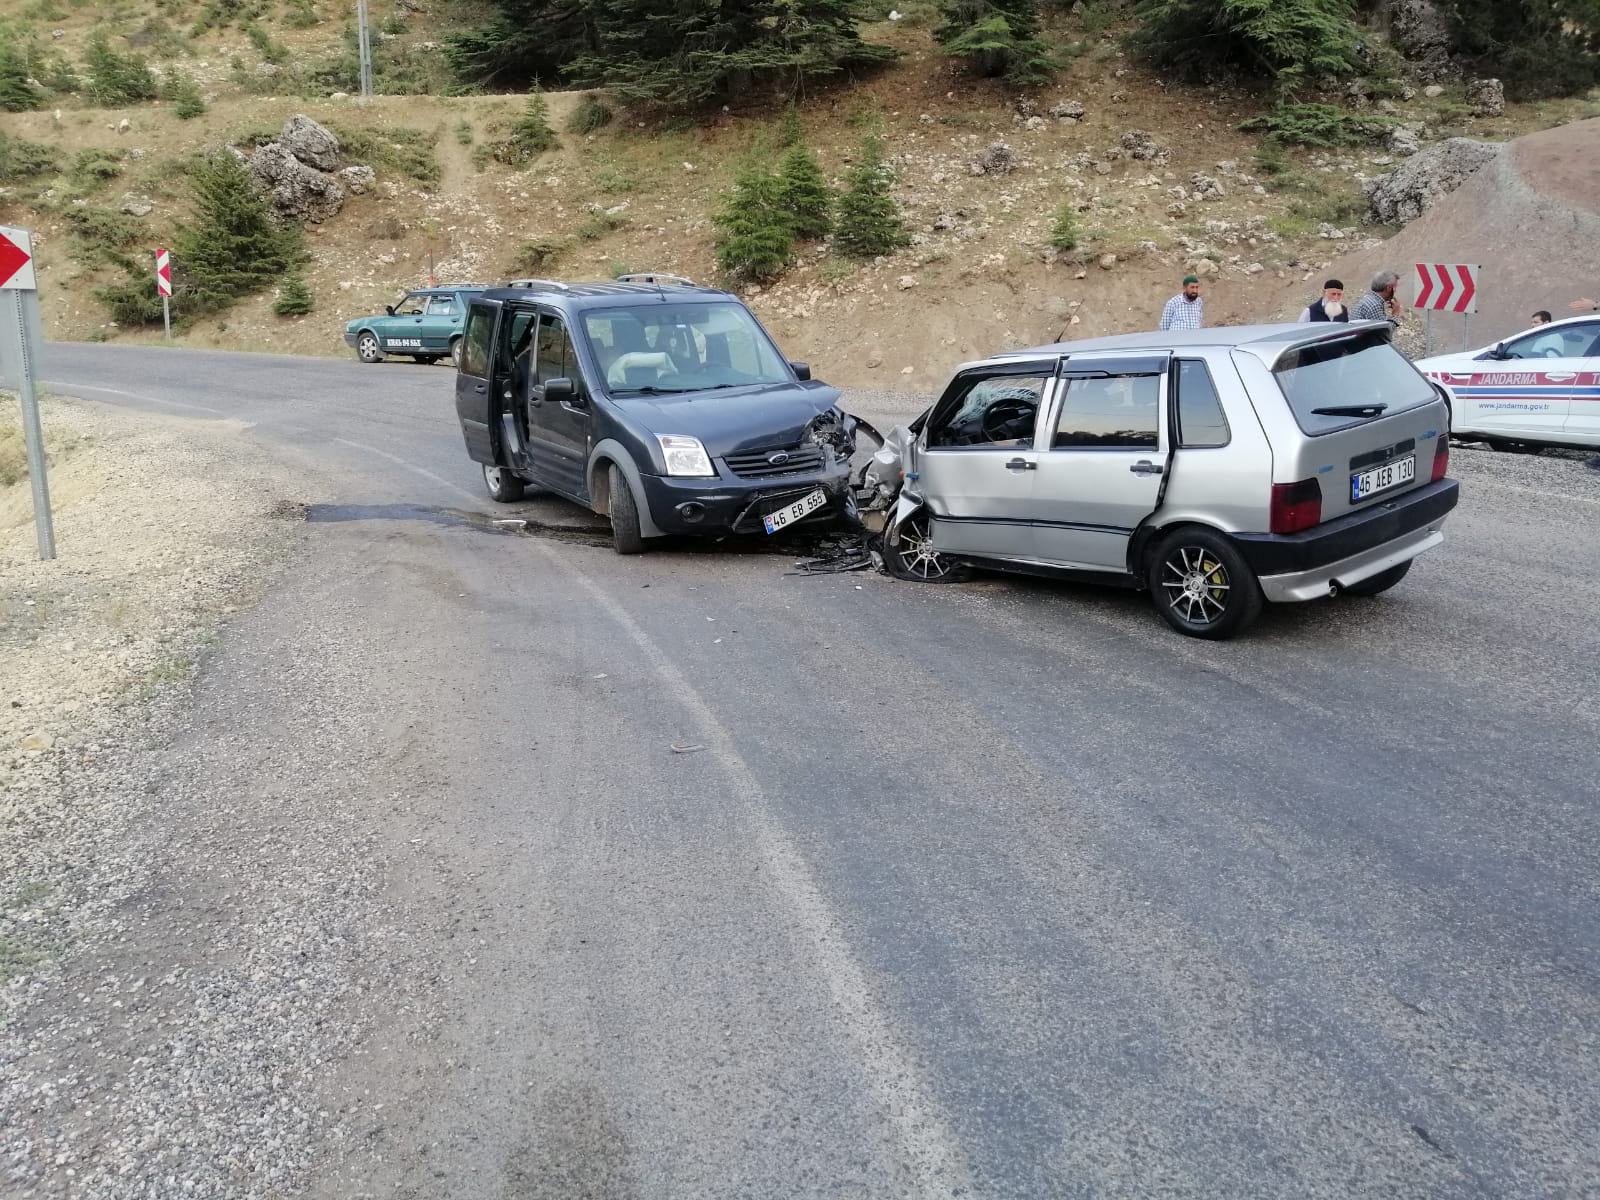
364	41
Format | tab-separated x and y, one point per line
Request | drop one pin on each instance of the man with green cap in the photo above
1186	310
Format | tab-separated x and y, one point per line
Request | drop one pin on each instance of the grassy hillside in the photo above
979	275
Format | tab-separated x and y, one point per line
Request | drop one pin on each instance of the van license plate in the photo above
799	510
1381	479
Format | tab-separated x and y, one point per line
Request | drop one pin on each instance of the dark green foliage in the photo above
1320	125
1539	48
1064	227
996	39
661	53
597	224
866	222
185	96
133	301
588	117
804	194
116	79
294	297
18	92
92	166
531	136
539	253
100	234
300	14
21	159
755	238
1292	43
272	52
399	68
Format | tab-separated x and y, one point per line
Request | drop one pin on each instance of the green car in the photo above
425	325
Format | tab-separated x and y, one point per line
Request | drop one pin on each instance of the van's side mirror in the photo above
1500	354
562	391
802	371
389	308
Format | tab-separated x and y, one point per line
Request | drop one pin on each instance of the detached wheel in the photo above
1202	585
455	352
908	553
1380	582
504	487
367	348
625	535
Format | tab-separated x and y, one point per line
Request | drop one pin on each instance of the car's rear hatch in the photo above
1357	425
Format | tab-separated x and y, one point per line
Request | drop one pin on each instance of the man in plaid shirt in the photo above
1186	310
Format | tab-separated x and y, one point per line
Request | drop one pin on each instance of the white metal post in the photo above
364	45
19	319
166	315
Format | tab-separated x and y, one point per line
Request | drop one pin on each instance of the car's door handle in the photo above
1021	464
480	389
1145	467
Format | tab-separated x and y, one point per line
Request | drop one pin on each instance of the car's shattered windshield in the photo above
656	349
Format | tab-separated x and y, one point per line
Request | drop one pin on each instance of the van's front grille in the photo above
770	464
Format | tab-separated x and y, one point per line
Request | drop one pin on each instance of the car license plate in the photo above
799	510
1381	479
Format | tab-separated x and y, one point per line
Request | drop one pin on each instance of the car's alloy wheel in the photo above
1202	584
367	348
504	487
908	553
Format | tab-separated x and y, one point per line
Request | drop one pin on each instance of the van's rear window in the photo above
1360	369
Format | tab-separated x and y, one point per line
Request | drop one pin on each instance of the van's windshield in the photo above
654	348
1334	385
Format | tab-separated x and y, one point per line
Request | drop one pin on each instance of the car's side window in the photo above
1109	411
411	306
1201	423
441	306
994	413
553	354
480	333
1569	341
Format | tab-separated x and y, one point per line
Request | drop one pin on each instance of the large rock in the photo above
313	144
1406	193
1422	33
996	159
1488	97
297	193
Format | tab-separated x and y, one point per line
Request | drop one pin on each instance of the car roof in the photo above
1267	342
601	294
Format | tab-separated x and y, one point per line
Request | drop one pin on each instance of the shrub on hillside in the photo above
804	194
539	253
755	240
590	115
1290	42
867	222
1064	227
1318	125
531	136
18	92
185	96
93	165
21	159
116	79
996	39
294	297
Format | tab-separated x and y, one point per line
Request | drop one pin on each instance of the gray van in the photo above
1216	469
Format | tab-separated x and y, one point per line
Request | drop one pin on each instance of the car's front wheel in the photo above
908	553
455	352
504	487
1202	584
1381	582
367	348
626	537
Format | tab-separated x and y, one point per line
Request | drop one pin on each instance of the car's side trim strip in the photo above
1077	525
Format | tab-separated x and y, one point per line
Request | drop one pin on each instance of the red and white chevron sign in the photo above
1446	287
164	272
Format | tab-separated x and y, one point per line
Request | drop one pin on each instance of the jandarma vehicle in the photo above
661	404
426	325
1216	469
1541	387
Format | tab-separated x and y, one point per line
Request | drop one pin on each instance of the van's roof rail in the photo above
654	277
533	283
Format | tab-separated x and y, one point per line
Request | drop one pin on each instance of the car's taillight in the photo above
1296	506
1441	458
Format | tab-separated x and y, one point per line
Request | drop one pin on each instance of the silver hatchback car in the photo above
1217	469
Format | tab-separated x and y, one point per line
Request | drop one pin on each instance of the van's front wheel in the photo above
1202	584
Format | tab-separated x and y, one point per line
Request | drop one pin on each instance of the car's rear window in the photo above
1362	369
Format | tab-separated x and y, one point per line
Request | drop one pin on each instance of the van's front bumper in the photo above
1349	550
720	506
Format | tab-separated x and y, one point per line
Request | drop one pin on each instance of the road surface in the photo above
988	890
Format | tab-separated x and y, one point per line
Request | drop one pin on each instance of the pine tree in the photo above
867	222
1064	228
754	239
181	90
997	39
18	92
235	247
116	79
531	136
1290	42
803	193
294	297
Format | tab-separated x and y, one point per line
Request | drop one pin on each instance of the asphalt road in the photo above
997	889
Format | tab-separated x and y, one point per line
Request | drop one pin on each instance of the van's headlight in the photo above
684	455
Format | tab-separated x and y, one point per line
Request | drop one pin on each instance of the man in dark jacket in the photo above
1330	307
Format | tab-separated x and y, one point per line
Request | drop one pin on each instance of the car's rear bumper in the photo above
715	506
1339	553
